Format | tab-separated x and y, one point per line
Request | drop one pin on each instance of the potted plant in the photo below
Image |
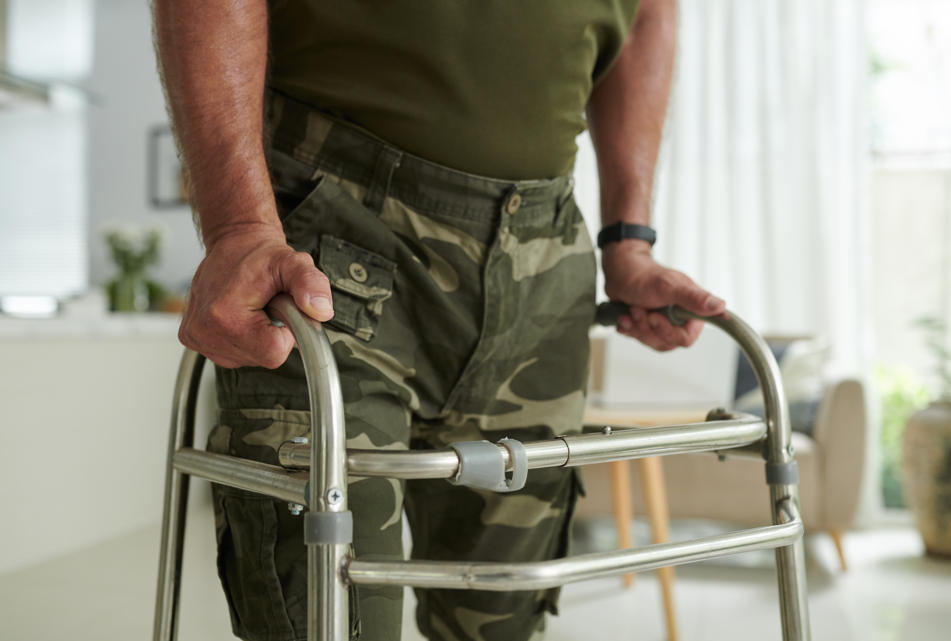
927	452
133	252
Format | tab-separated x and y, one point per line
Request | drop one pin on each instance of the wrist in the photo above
252	230
623	261
624	248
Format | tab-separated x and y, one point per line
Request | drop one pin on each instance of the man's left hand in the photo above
633	276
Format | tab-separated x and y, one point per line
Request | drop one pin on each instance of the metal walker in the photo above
314	475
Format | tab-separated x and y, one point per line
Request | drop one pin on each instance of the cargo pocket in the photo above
360	280
247	530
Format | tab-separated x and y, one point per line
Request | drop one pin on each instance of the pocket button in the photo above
358	272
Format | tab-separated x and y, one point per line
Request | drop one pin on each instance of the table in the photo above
653	485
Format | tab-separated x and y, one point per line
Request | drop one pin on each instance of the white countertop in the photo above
127	325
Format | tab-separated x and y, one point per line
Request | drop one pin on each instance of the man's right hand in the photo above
242	271
213	59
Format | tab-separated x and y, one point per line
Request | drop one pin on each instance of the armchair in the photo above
830	466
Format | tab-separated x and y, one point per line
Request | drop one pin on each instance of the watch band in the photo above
623	231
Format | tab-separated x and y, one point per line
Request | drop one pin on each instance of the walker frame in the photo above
317	480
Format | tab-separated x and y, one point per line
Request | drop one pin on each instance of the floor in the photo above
890	593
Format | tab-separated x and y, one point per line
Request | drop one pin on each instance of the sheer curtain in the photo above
760	187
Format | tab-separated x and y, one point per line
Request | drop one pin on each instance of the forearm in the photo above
626	114
213	59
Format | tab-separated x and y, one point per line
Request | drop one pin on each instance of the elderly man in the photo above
402	170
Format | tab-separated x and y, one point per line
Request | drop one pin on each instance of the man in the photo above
419	153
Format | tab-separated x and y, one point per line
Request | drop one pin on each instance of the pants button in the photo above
514	203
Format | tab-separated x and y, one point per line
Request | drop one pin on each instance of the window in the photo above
43	203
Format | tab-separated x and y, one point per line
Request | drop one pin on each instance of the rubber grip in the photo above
609	313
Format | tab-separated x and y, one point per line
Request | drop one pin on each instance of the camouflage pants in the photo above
462	311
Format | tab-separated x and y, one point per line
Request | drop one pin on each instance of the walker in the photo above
313	475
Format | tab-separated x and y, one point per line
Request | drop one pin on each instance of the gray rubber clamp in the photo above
519	464
782	473
325	528
482	466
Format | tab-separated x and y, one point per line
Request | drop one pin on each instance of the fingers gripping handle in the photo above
609	313
781	469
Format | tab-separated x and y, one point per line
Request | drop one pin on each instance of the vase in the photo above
131	294
927	463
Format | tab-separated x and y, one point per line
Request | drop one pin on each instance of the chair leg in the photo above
623	502
655	498
837	539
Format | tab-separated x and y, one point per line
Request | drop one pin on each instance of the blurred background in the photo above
805	177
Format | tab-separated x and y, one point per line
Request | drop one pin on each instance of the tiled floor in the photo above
891	593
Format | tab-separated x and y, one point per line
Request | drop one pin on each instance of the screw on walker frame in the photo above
313	474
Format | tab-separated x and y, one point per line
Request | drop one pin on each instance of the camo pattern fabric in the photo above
462	308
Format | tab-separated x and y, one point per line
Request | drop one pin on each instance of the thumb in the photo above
309	287
697	300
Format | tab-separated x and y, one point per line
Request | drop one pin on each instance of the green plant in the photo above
901	395
936	332
133	252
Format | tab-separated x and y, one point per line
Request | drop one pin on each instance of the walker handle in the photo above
608	313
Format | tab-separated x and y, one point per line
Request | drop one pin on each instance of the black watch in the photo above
623	231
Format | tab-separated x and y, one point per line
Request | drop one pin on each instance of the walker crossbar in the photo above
502	577
616	444
326	462
565	451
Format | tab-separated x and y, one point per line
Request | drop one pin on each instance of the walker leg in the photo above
328	524
176	499
791	573
328	612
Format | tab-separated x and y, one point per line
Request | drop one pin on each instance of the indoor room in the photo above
800	172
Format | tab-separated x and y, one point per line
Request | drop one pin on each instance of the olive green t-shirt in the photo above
491	87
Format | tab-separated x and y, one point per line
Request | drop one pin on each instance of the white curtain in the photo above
760	188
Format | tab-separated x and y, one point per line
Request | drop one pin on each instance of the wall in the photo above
911	271
130	102
85	433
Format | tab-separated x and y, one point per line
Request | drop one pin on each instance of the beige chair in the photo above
830	469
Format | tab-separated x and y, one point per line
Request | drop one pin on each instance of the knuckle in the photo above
320	279
303	259
666	286
184	337
273	358
283	262
674	280
271	362
215	316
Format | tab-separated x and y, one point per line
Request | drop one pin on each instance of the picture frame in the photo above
167	184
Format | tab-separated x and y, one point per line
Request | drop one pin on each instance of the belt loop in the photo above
563	199
386	163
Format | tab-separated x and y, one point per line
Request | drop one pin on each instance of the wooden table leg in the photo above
623	500
655	500
837	539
